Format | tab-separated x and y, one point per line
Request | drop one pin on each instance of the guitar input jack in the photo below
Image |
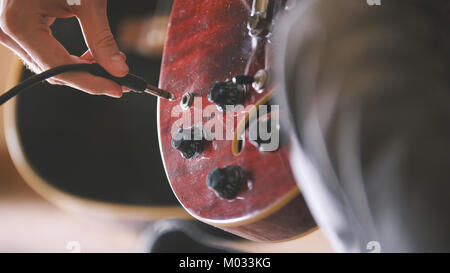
187	100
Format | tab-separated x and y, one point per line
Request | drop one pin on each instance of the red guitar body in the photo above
208	42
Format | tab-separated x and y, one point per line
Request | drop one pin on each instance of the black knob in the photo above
190	142
226	93
227	182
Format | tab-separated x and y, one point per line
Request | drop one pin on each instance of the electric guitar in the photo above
217	61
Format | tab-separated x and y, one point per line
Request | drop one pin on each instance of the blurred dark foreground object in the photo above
369	92
186	236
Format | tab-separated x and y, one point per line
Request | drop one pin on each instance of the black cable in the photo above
130	81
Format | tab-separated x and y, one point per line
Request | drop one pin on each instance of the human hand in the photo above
25	29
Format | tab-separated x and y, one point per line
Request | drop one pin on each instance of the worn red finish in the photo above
208	41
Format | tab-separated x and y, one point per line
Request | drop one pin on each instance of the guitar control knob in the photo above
227	182
226	93
190	142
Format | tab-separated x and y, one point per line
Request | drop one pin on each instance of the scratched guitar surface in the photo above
208	41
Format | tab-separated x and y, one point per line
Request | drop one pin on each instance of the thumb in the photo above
94	22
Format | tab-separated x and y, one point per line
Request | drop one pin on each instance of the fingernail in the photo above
116	95
119	64
124	57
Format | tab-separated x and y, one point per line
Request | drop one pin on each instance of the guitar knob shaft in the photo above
264	145
190	142
227	182
226	93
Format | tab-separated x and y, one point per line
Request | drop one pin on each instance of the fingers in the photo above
83	81
89	58
94	22
35	40
92	84
89	83
26	59
28	34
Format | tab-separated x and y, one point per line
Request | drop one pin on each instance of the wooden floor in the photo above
29	223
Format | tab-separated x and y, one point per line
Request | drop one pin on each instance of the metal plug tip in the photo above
172	97
152	90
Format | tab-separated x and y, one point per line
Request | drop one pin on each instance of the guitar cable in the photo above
134	83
